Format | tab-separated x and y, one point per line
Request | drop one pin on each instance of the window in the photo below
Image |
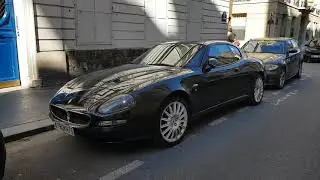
2	8
235	51
222	54
283	25
238	24
264	46
168	54
294	44
176	54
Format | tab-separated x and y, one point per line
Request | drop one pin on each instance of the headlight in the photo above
271	67
116	104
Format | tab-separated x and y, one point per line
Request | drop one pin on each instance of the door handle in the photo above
236	69
195	87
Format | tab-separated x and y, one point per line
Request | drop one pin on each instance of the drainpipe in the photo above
230	13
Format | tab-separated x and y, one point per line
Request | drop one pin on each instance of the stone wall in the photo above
84	61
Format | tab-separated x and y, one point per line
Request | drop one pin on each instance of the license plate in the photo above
65	128
315	56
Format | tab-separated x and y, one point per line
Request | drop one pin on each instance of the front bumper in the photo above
273	77
133	128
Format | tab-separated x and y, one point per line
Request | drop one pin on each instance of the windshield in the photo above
168	55
264	46
315	43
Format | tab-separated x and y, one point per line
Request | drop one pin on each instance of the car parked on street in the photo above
2	155
282	58
312	51
158	93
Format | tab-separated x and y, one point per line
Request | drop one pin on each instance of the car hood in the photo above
95	87
266	57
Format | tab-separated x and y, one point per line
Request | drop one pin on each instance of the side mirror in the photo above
211	64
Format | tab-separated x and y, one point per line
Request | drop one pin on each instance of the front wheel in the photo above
172	122
257	91
282	79
299	73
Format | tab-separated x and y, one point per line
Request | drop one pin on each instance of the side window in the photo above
294	44
221	54
289	44
235	51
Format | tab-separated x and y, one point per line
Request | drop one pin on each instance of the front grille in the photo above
2	8
59	113
78	118
70	116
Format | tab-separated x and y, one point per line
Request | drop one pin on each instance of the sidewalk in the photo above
25	112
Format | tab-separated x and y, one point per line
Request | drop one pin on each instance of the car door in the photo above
219	83
292	59
296	58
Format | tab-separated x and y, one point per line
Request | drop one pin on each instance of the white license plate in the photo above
65	128
315	56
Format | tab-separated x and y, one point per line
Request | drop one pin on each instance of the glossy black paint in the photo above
2	155
151	85
289	62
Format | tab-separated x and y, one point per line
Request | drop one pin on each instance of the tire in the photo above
172	122
282	79
2	156
298	75
257	91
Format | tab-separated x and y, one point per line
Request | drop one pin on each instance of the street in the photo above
278	139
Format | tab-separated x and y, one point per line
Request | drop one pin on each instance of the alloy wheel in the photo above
282	79
300	70
258	90
173	121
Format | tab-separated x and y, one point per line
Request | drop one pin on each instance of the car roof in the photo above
273	39
197	42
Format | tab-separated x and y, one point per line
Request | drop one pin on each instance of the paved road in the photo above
279	139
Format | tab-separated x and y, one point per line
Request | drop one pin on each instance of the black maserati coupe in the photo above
158	93
282	58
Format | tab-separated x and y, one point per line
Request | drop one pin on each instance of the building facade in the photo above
61	38
299	19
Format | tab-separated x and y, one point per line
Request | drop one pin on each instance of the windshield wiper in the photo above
159	64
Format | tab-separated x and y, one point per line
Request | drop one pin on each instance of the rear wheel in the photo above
257	91
172	122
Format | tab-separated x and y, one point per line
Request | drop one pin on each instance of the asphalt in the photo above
278	139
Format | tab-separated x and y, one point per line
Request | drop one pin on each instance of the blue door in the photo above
9	71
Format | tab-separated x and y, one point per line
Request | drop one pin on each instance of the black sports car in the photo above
312	52
158	93
281	56
2	155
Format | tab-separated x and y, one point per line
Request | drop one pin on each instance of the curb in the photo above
25	130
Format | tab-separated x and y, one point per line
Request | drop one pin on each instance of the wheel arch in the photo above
180	94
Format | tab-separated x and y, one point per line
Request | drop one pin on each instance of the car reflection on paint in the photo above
159	93
282	58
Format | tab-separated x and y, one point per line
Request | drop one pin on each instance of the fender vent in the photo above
2	8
